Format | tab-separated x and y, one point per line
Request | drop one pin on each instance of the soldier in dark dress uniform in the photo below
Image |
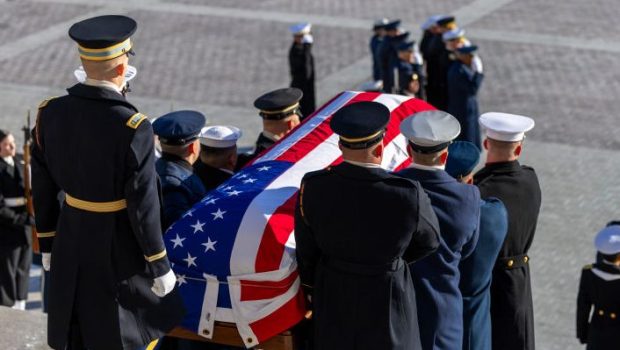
218	155
375	43
15	234
598	305
281	113
516	185
111	286
464	80
180	148
434	54
356	228
301	63
477	269
408	67
457	205
388	53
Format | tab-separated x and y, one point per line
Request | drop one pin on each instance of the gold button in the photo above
601	312
525	259
612	315
249	340
510	263
206	332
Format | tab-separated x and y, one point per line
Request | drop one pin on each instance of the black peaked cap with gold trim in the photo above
279	104
103	38
360	125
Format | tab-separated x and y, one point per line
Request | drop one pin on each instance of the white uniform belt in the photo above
15	201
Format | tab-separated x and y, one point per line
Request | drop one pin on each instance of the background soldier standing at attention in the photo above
218	155
516	185
15	235
356	227
600	289
110	277
301	63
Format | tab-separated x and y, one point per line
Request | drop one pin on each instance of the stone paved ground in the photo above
554	60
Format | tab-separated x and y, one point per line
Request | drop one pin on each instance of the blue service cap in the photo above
380	23
392	25
463	156
103	38
406	46
360	125
607	241
467	50
179	127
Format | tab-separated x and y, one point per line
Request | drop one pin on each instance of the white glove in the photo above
476	64
46	260
307	39
163	285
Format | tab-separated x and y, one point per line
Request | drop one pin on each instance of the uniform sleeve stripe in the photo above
156	256
46	234
135	120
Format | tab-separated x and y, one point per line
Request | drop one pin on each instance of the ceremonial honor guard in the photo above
15	235
218	155
435	54
388	53
375	44
110	277
281	113
457	205
408	69
356	227
180	148
464	80
477	269
301	63
516	185
598	305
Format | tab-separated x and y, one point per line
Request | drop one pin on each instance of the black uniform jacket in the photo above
356	228
512	314
599	289
301	63
262	143
211	177
14	219
94	146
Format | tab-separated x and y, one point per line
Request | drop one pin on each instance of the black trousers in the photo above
15	263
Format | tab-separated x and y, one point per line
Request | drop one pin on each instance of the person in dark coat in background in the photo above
388	53
599	289
301	63
15	234
374	45
110	286
434	54
356	227
516	185
281	113
477	269
180	148
218	155
430	30
408	67
464	80
457	205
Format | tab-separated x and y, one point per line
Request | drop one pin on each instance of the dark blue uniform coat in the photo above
93	145
436	277
375	43
211	177
463	85
512	316
388	57
301	63
476	272
356	228
405	70
181	188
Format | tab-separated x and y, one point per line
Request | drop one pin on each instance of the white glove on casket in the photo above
46	260
163	285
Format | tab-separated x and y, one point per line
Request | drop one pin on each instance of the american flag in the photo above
234	251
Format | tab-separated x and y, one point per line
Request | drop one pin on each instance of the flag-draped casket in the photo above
234	251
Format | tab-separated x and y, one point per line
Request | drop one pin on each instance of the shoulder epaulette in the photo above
135	120
44	103
587	267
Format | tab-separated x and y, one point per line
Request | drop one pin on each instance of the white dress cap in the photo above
300	28
431	21
607	241
506	127
219	136
430	128
453	34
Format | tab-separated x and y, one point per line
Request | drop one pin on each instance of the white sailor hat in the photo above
453	34
219	136
607	241
430	131
506	127
431	21
300	28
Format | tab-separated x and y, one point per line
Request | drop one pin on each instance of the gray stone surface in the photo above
23	330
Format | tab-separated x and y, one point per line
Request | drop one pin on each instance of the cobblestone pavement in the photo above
554	60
